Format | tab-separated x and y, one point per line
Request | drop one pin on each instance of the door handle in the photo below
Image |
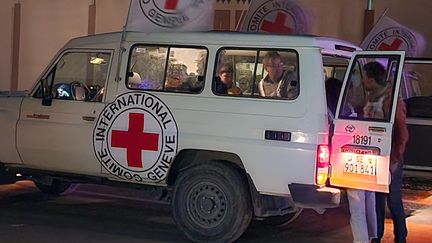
38	116
89	118
377	129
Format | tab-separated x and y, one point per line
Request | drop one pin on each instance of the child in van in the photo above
224	82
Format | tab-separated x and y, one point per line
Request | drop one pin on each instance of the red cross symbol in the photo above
171	4
394	46
135	140
278	26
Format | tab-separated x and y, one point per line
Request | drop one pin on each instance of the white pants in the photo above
363	215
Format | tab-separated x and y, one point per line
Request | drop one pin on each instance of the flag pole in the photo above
241	19
121	47
379	19
369	18
382	15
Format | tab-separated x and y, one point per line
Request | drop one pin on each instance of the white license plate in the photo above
361	164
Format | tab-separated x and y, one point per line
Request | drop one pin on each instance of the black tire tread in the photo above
236	185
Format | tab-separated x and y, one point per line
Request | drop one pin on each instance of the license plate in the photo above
362	164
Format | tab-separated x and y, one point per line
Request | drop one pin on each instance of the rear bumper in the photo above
311	196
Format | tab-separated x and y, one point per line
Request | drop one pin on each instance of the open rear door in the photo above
361	142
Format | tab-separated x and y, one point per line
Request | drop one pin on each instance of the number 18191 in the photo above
363	140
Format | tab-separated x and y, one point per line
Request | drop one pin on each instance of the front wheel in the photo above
211	203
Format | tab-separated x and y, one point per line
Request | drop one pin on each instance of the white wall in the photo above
111	15
336	18
46	25
6	19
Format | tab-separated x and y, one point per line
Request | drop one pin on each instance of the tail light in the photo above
323	161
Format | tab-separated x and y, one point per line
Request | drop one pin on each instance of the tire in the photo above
283	220
57	187
211	203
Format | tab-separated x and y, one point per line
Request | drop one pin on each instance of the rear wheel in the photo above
55	187
211	203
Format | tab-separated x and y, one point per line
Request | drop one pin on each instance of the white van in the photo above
144	110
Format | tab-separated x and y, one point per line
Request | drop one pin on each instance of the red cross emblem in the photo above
171	4
278	26
134	140
394	46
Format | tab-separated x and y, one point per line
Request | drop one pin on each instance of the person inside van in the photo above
378	91
277	82
176	76
134	81
224	82
333	88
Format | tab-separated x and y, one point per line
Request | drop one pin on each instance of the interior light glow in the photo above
97	60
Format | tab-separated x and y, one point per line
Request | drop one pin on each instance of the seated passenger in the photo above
177	75
134	81
244	84
223	84
333	88
193	83
277	82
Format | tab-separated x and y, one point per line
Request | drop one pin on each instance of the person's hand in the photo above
234	91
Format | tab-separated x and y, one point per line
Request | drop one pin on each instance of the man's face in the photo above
368	83
226	78
274	67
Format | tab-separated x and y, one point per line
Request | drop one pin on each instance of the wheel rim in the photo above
207	204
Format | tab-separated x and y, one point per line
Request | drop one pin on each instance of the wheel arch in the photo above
188	158
263	205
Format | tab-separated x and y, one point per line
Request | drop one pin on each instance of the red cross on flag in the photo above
275	16
389	35
170	15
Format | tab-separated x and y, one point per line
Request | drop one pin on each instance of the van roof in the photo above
330	46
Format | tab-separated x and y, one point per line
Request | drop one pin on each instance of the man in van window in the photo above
378	106
278	82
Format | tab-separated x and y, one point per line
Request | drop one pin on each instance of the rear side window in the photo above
267	73
167	68
417	87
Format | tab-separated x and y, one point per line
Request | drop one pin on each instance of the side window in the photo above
177	69
335	67
80	76
257	73
417	88
370	88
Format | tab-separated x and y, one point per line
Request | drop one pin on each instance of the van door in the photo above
364	119
59	136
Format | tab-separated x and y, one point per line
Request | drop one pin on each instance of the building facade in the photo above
33	31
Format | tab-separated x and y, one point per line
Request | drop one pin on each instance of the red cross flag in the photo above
389	35
275	16
170	15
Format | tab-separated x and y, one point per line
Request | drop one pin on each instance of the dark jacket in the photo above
219	87
400	134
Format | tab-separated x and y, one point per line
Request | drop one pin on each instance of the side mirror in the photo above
46	93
